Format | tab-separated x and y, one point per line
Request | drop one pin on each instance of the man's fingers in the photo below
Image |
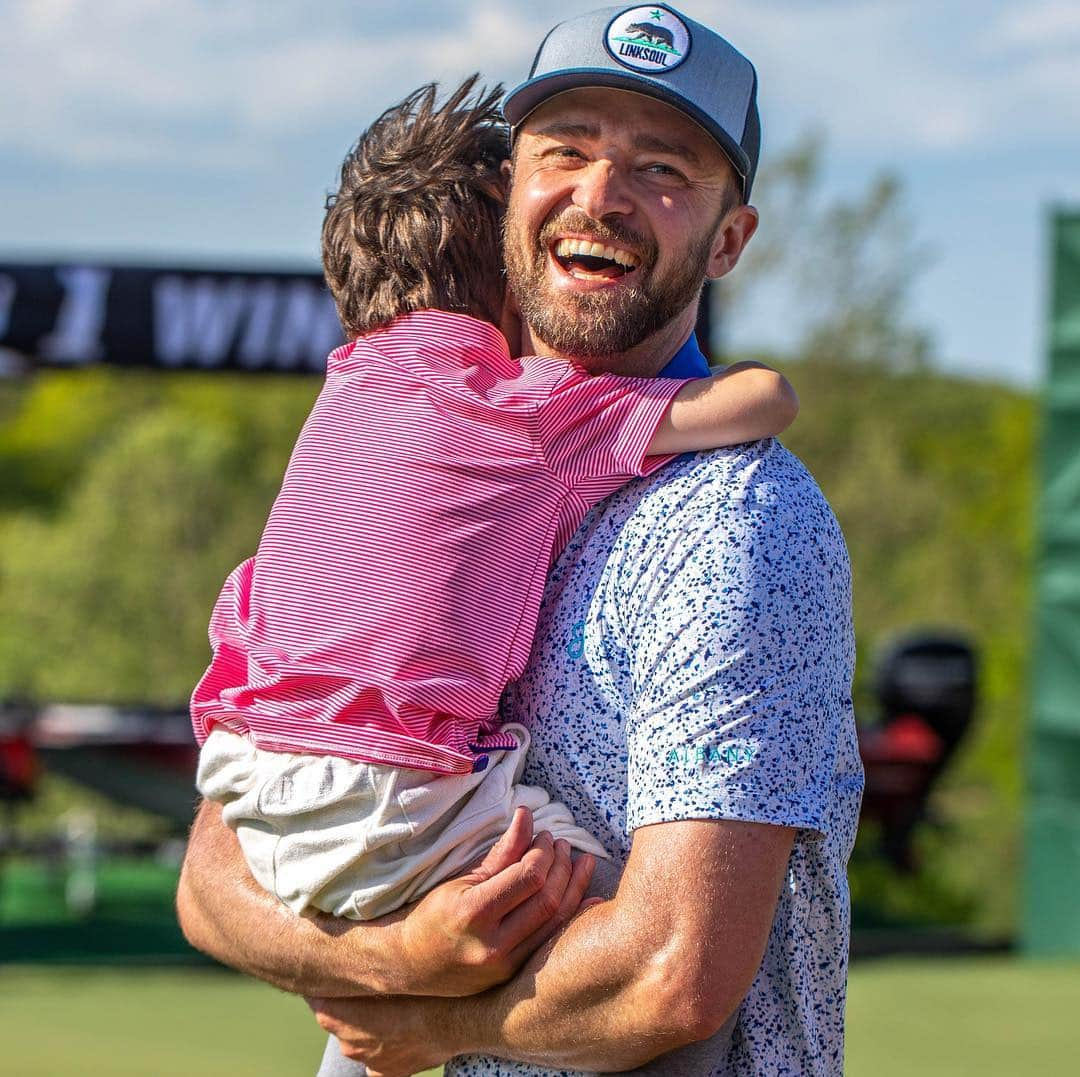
542	907
572	904
510	848
518	882
580	877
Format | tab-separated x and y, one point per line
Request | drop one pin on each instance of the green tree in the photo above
845	264
108	569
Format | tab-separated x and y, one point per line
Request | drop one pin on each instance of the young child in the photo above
348	718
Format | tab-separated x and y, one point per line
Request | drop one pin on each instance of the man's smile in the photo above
591	258
587	259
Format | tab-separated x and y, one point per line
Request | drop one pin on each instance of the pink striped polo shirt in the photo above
396	587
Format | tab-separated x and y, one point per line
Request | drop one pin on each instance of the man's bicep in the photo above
219	905
664	963
224	912
714	884
742	679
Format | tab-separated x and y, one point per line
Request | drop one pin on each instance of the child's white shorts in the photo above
361	839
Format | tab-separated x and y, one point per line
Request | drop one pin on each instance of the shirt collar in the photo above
687	362
452	340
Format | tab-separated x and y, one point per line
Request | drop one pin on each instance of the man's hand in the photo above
476	930
469	927
466	935
393	1037
663	964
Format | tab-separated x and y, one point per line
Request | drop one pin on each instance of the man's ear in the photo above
507	168
735	231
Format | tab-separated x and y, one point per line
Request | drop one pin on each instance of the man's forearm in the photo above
664	964
250	930
465	935
595	1000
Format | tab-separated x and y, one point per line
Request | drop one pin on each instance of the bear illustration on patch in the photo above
655	35
648	39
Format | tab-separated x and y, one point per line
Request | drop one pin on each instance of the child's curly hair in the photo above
417	220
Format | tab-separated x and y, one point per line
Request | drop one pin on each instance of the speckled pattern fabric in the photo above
694	660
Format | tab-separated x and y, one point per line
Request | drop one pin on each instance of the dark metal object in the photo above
140	756
926	690
147	757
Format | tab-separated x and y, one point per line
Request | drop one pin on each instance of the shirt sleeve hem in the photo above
811	826
666	389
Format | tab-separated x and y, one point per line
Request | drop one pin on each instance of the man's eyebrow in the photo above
653	144
564	129
646	142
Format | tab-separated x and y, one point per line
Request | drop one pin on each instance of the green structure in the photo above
1052	897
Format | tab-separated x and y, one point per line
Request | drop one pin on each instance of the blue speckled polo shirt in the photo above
693	660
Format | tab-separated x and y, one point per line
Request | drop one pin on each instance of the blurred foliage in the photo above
157	487
131	496
127	498
844	266
933	481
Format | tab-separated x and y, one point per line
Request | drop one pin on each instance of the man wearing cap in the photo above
689	686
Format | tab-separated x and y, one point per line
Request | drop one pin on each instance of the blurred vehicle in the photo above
925	689
145	757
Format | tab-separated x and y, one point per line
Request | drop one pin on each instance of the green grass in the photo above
125	1023
953	1018
986	1017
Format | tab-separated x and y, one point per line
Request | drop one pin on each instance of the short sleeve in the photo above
742	661
599	427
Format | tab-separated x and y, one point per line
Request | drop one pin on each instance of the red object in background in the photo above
907	739
926	689
18	767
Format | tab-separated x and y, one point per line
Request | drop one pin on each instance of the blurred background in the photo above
163	169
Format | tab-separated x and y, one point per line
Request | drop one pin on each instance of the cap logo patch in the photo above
650	39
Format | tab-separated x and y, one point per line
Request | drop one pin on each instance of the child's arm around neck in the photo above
746	402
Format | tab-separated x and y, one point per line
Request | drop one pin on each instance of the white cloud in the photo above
1050	24
122	81
187	80
902	77
199	84
335	75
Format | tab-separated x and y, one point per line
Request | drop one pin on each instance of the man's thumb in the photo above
510	848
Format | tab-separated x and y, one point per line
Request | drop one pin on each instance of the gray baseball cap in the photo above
657	51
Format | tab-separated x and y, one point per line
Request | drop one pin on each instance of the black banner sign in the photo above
74	314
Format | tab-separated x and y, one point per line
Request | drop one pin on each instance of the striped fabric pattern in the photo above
396	587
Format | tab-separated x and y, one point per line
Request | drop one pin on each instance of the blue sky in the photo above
209	132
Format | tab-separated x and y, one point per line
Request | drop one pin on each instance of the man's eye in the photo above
659	169
567	151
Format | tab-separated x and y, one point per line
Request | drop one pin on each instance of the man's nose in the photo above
601	190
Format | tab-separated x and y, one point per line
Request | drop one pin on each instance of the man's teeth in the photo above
567	248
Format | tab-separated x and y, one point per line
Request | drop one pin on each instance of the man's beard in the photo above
608	321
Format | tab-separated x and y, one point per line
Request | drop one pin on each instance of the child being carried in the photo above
348	718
